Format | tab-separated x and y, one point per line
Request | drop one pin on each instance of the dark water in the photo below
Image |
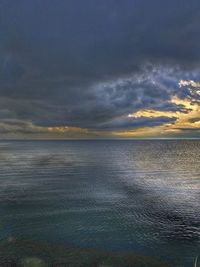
138	196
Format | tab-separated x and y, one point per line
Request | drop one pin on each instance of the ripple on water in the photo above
115	195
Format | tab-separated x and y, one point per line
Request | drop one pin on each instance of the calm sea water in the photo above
140	196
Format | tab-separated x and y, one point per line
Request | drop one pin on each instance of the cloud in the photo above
190	83
89	64
185	121
24	129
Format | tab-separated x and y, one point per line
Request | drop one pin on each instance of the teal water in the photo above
117	196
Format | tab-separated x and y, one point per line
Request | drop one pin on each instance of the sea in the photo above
112	197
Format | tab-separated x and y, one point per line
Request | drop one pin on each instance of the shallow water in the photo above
137	196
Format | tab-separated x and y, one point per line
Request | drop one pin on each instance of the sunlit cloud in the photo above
150	113
66	129
189	83
194	87
187	118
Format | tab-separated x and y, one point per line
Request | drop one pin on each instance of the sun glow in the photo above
186	118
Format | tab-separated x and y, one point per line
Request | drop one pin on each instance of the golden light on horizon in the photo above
187	118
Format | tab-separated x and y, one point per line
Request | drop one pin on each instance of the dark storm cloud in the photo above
90	63
128	123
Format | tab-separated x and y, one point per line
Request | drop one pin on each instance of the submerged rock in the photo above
27	253
33	262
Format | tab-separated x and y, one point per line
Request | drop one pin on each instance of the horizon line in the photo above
104	139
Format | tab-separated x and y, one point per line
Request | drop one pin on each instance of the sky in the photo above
99	69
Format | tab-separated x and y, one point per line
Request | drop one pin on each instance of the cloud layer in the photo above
82	67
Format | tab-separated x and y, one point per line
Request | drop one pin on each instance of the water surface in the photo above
117	196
